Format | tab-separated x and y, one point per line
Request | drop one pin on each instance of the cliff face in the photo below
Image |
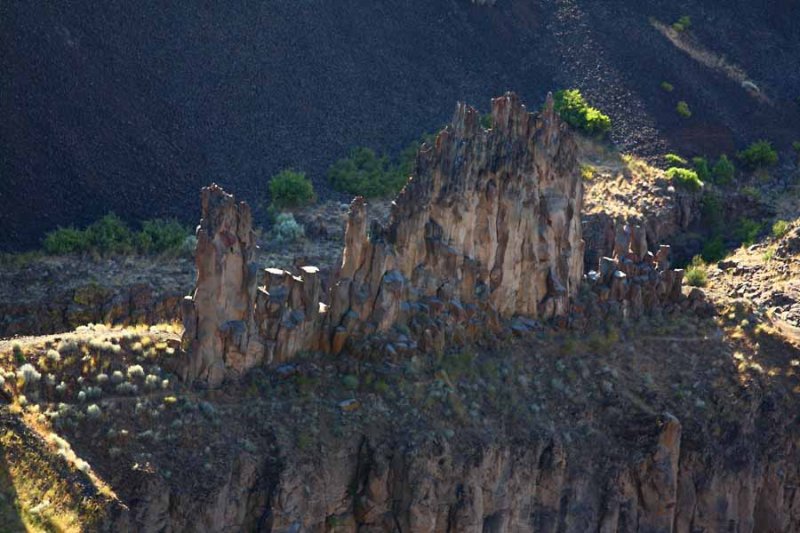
474	483
488	229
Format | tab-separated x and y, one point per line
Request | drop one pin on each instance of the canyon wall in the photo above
665	485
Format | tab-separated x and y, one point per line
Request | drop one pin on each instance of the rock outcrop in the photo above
489	223
488	226
58	294
218	317
487	229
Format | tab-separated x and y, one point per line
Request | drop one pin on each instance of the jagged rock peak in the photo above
218	314
503	204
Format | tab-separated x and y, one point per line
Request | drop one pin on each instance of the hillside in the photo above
131	107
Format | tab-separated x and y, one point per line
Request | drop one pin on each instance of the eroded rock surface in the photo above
487	230
489	226
438	486
56	294
219	315
489	223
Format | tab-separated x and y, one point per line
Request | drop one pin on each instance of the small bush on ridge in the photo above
366	174
110	235
683	109
675	160
702	168
64	241
685	178
286	229
723	170
696	275
780	228
714	249
574	109
748	230
682	24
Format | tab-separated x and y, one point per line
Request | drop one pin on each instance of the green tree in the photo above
366	174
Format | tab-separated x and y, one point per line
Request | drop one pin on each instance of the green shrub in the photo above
667	86
796	148
702	168
714	249
747	231
110	235
723	170
486	121
286	229
683	24
751	192
696	275
350	381
159	236
291	189
780	228
364	173
65	241
574	109
675	160
760	154
685	178
683	109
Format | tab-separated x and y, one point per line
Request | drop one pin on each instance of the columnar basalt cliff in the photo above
634	281
486	230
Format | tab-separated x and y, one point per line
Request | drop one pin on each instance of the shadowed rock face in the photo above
488	228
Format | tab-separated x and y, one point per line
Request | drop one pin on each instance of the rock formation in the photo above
486	230
218	317
54	295
489	222
489	225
